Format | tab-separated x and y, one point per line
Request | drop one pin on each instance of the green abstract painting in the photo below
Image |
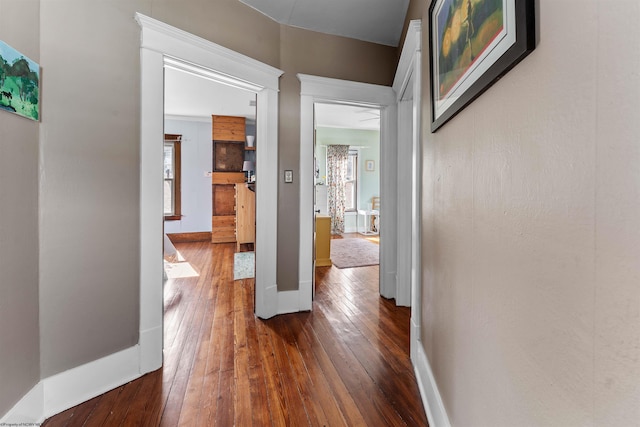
19	83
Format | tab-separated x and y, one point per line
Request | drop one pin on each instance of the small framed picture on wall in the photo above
369	165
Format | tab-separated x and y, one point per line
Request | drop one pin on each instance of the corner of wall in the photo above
29	410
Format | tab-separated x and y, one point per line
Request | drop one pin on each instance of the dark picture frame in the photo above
472	44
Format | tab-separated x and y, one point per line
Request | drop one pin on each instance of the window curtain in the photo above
337	156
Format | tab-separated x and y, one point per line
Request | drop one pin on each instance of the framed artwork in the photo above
19	83
369	165
472	43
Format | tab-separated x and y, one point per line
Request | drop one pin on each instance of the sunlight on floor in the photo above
179	270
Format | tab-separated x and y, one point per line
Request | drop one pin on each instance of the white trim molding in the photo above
326	90
69	388
161	46
407	85
206	55
29	410
292	302
431	398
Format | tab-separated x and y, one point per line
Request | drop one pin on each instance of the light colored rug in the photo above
244	265
352	252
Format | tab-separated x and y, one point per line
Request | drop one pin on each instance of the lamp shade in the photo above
247	165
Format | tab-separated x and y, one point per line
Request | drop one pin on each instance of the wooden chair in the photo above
375	203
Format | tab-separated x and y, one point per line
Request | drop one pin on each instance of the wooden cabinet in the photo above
245	215
228	128
323	241
228	135
223	209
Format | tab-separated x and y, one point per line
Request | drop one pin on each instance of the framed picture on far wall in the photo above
369	165
19	83
472	43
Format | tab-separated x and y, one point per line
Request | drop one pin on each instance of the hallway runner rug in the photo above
353	252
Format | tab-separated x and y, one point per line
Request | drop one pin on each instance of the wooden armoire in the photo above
233	202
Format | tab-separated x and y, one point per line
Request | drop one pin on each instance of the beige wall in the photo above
19	333
228	23
324	55
89	184
531	244
89	287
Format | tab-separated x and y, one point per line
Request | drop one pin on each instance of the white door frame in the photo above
407	85
163	45
321	89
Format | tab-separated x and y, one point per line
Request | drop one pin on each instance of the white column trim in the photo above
389	200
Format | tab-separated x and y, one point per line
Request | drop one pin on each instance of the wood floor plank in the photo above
376	350
345	363
257	383
294	404
335	334
307	365
142	409
128	394
99	416
192	397
273	380
191	332
219	346
241	389
310	347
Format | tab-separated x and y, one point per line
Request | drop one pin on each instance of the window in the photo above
351	182
172	176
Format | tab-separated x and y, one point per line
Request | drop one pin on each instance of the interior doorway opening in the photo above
163	45
321	90
347	183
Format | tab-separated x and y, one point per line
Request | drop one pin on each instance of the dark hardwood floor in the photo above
346	363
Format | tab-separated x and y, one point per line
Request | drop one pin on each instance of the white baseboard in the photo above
414	334
431	398
288	302
70	388
305	297
29	410
77	385
151	342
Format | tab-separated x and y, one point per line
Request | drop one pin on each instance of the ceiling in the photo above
195	97
376	21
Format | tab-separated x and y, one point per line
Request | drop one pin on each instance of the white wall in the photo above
531	244
196	154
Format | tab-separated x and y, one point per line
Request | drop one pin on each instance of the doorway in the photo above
163	45
190	102
333	91
347	180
